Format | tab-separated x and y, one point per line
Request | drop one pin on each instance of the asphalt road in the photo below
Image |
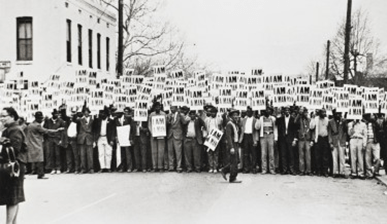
200	198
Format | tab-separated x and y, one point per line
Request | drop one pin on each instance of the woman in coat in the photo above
12	189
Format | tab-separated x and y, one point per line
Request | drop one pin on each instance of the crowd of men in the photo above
291	141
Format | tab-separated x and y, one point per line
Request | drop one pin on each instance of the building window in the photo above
24	38
79	44
90	48
68	40
107	53
99	51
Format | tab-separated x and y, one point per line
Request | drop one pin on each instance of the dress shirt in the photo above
87	119
191	129
103	127
287	118
370	131
322	127
249	125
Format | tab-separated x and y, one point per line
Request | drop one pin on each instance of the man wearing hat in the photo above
337	136
104	136
121	120
249	140
268	136
52	142
34	140
72	153
193	141
213	122
175	124
286	136
232	139
85	141
159	162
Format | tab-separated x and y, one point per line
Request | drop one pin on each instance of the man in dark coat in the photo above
232	142
85	141
34	140
53	141
286	135
193	141
104	135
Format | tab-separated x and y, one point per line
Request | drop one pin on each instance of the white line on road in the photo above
82	208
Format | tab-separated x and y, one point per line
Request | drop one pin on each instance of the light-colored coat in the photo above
255	132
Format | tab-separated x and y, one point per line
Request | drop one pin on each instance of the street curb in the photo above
381	181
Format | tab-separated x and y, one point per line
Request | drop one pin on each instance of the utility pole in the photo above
327	68
120	38
317	68
347	40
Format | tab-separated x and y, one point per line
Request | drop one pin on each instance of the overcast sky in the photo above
281	36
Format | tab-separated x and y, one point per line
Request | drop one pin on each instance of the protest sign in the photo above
159	126
355	109
342	101
303	93
123	133
258	100
371	101
213	139
315	98
141	110
328	103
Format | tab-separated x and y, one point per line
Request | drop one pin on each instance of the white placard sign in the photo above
315	98
258	100
355	109
342	101
303	92
159	126
123	133
371	102
213	139
141	110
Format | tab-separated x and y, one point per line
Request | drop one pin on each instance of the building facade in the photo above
44	37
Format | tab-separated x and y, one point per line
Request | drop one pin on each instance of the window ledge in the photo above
23	63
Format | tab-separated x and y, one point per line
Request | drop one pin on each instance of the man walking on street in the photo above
232	139
322	150
34	140
337	134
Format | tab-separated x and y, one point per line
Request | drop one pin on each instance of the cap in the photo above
38	114
232	111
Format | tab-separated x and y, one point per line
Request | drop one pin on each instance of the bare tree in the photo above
147	39
362	44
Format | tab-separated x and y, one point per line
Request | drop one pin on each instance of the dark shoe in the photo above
161	170
301	174
362	177
254	171
189	171
235	182
179	171
223	174
43	178
171	170
377	175
91	171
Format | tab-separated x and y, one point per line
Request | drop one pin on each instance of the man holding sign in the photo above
157	141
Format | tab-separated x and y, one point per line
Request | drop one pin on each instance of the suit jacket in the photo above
198	124
243	125
85	131
230	136
337	132
57	136
175	127
281	127
304	133
110	132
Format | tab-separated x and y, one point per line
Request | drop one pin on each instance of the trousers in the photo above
357	154
372	158
53	155
105	152
304	156
86	154
175	148
338	160
192	154
267	150
158	147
